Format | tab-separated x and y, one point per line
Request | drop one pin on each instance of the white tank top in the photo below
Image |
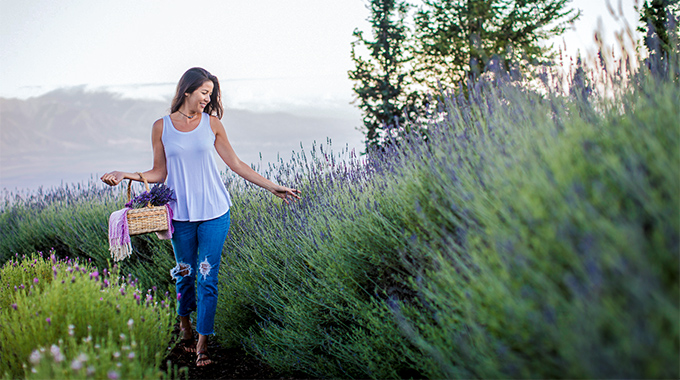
192	172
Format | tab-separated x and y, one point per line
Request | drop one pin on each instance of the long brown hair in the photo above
190	81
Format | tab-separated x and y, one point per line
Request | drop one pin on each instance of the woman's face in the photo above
199	99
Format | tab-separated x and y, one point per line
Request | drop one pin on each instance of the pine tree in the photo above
382	78
456	39
660	23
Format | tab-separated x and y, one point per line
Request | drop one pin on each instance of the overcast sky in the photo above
266	52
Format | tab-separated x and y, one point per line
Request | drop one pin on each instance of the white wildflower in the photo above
56	353
35	357
76	365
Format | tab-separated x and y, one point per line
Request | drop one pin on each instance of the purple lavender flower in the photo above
159	195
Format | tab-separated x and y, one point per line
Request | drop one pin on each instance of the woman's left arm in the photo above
239	167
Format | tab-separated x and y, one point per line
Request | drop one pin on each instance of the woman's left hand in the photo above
286	193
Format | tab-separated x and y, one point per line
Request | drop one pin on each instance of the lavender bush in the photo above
533	234
72	220
66	319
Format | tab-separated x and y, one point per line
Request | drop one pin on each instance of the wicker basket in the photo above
147	219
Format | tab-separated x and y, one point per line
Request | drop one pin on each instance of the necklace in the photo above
185	115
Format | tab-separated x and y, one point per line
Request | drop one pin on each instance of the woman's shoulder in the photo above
215	123
157	128
158	123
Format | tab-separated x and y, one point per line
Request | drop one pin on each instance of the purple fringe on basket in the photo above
119	235
167	234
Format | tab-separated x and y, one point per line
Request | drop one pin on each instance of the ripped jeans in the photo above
198	251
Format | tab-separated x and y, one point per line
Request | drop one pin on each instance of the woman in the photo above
183	145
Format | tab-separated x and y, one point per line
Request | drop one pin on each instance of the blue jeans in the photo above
198	252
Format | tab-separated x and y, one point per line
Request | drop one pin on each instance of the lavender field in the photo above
528	229
531	233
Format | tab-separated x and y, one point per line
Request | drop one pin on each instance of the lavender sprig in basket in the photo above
159	195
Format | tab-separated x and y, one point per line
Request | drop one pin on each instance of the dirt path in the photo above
229	363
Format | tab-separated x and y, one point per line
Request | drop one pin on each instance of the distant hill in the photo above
72	134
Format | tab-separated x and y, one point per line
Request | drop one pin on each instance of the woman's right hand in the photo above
113	178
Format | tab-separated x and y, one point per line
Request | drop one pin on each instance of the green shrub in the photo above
566	264
76	312
299	284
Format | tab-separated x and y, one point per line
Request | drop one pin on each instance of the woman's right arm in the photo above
159	170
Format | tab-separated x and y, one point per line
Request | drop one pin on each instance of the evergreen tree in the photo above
382	78
456	39
660	23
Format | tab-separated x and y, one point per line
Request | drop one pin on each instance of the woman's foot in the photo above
203	359
187	345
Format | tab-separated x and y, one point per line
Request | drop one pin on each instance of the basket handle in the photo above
129	189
